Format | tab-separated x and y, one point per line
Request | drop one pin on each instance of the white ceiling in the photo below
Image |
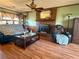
19	5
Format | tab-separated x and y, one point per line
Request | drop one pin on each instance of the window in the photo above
16	22
8	18
2	22
9	22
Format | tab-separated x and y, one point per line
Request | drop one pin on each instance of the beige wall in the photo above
32	15
62	12
7	10
32	20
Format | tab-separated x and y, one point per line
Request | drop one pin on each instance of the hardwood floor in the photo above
40	50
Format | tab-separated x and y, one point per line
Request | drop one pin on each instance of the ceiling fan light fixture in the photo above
33	6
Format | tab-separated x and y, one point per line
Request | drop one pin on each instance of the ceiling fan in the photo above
34	6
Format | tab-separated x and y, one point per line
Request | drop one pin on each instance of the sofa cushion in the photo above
11	29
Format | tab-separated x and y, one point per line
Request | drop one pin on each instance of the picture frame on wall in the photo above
45	14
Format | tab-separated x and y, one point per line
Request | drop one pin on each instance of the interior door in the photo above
76	31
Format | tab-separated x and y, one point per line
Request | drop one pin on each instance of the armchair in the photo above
60	36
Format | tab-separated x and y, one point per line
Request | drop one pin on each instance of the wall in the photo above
62	13
32	18
32	15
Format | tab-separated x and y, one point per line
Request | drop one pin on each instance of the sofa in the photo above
8	32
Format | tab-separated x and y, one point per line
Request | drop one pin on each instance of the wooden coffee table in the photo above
25	40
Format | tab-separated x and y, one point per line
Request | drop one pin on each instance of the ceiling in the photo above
19	5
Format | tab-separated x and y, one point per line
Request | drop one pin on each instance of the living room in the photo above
39	29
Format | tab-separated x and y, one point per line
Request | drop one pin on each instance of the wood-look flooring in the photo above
41	49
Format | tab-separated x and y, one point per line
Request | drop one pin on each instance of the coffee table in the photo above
27	39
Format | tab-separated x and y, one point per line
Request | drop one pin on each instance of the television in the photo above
44	28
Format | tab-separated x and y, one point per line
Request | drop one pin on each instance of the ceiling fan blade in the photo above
28	5
40	8
33	6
